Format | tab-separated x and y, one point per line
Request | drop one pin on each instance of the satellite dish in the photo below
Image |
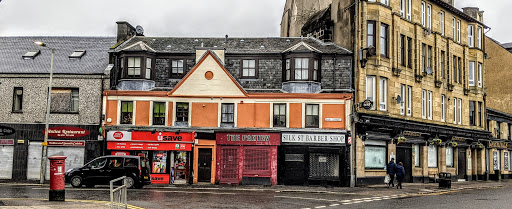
429	70
139	30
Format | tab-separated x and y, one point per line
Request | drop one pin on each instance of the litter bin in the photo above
445	180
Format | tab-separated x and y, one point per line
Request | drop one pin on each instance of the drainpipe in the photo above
354	98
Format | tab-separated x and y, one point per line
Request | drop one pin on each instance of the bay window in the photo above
384	40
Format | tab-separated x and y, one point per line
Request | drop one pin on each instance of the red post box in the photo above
57	174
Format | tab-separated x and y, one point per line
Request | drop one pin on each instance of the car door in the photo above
115	168
93	172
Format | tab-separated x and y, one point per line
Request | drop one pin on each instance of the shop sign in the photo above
6	141
148	146
5	131
500	145
456	138
119	136
333	119
66	132
160	178
163	136
411	133
120	153
249	138
66	143
313	138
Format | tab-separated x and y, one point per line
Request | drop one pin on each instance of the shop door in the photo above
229	165
404	155
205	165
462	164
293	171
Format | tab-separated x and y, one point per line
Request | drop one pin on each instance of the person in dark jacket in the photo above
400	174
390	170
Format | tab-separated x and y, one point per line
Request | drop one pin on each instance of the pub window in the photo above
370	36
17	102
449	156
375	154
227	111
181	112
249	69
158	113
506	158
301	68
370	89
472	118
126	112
312	116
64	100
279	115
383	93
417	155
134	67
177	68
432	156
384	40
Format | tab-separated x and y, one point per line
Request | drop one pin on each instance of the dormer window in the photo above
302	69
77	54
136	67
31	54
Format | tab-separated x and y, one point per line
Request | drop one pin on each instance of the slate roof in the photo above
94	61
272	45
507	45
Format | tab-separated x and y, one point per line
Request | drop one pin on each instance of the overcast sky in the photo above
191	18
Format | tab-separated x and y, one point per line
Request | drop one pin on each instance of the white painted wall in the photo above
6	158
75	158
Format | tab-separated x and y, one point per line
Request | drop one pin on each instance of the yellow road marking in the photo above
73	200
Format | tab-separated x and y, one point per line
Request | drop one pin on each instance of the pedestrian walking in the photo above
390	170
400	173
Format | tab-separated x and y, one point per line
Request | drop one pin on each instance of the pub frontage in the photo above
314	158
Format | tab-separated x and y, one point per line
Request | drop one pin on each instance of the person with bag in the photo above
390	170
400	174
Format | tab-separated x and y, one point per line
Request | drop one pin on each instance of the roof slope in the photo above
94	61
273	45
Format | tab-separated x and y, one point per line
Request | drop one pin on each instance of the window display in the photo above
159	162
180	165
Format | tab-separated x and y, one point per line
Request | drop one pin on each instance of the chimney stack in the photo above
124	31
474	12
450	2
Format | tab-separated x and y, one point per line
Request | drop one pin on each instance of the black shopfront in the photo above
313	159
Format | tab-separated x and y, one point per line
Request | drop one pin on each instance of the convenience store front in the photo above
167	154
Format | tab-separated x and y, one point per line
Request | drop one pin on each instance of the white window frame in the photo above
479	37
458	31
460	111
480	75
432	153
424	104
471	36
430	105
423	21
454	32
449	156
471	73
372	80
443	108
429	16
148	68
409	5
442	22
402	103
385	2
402	8
383	93
409	101
454	110
417	156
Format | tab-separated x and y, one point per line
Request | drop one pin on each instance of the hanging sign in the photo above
66	132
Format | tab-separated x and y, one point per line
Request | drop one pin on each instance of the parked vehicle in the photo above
102	170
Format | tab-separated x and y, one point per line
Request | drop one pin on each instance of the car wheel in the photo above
89	185
130	182
76	181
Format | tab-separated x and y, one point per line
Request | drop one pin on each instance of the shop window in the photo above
312	119
159	162
279	115
177	68
158	113
181	112
228	113
249	68
180	165
17	101
64	100
229	163
449	156
126	112
432	156
506	158
496	160
417	156
294	157
324	165
374	157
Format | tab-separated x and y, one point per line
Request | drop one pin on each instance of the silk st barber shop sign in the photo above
313	138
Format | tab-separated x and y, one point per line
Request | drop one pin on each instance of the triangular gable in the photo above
301	46
139	46
196	82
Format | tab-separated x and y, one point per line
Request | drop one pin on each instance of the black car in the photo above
106	168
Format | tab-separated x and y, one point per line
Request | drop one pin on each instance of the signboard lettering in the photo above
5	131
119	135
411	133
65	143
6	141
66	132
160	178
456	138
249	138
502	145
313	138
333	119
148	146
163	136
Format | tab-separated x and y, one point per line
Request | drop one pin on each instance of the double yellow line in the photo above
73	200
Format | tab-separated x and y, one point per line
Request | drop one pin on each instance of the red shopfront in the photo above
247	158
167	153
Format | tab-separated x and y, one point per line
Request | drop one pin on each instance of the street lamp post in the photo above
49	100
